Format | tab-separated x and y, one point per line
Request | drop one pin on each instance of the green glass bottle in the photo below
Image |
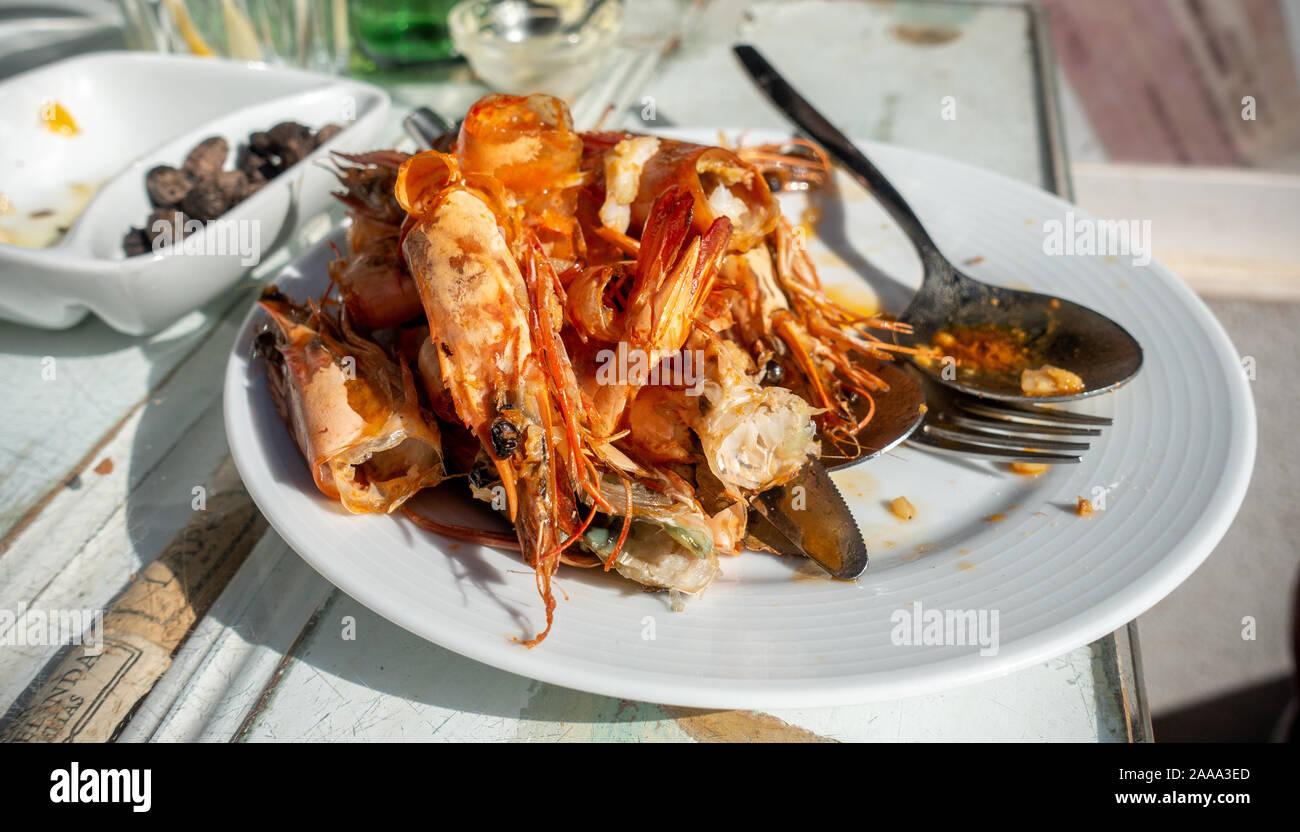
390	34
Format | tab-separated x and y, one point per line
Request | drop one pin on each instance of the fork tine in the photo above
948	430
962	425
1030	413
1014	427
967	449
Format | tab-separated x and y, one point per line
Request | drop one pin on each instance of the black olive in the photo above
136	242
505	437
326	133
167	186
206	159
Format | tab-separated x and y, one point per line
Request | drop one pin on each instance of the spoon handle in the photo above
803	114
425	126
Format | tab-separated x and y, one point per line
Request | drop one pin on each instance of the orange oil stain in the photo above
58	120
859	300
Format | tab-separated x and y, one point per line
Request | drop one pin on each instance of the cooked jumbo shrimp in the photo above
371	278
665	288
497	354
637	169
753	437
352	411
528	145
510	272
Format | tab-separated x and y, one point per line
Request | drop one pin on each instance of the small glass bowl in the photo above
559	64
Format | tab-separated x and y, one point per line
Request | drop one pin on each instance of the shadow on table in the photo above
1250	714
397	664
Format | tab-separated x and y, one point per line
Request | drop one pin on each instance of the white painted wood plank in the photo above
1227	232
99	376
94	535
392	686
388	685
1212	212
867	79
219	676
132	534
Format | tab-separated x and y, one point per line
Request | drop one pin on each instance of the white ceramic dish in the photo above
771	633
135	111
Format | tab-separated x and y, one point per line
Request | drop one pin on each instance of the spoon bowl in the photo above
1057	332
1098	350
898	414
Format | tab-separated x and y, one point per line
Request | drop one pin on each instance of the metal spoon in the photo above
1060	333
519	20
899	412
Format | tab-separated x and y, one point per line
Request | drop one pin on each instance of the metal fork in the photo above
963	425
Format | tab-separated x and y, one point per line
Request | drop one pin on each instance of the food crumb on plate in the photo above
902	508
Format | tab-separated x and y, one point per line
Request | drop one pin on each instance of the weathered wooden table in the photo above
119	493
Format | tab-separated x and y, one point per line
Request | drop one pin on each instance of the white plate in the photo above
137	110
770	633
